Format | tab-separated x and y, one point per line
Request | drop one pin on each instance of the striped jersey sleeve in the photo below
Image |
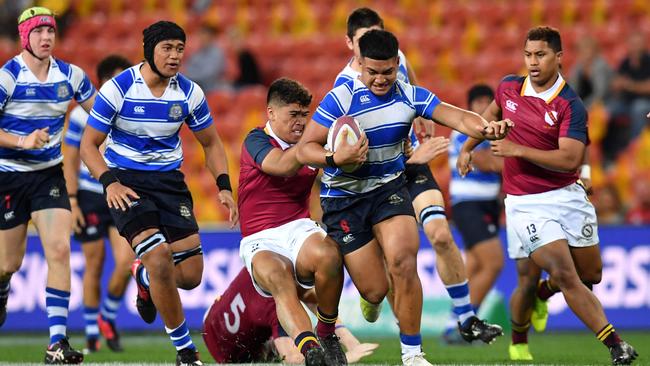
108	101
76	125
199	116
8	76
335	104
83	88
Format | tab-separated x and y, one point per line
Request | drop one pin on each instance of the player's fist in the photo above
464	163
225	198
355	154
35	140
496	130
505	148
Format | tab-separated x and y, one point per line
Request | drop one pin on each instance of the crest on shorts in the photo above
587	230
421	179
175	111
185	210
55	192
62	91
395	199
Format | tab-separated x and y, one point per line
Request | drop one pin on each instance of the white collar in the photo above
547	95
270	132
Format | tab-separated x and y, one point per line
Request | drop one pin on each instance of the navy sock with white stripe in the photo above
180	337
111	306
460	298
56	303
90	318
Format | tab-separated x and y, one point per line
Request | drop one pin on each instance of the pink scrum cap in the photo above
32	18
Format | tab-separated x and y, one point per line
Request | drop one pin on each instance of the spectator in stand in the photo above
249	71
591	76
631	88
207	65
609	207
639	214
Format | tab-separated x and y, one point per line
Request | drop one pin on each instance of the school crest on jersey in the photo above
550	118
62	91
175	111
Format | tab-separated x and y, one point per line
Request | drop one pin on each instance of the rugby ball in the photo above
335	137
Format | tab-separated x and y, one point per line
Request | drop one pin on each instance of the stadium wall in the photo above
624	290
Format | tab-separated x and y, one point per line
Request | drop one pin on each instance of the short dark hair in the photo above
363	18
287	91
477	91
108	65
378	45
548	34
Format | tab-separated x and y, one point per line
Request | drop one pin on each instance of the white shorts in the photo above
534	220
285	240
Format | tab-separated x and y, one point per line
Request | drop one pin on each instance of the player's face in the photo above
168	55
288	120
353	44
379	75
42	40
479	104
542	63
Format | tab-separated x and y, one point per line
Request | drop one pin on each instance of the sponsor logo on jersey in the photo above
511	106
30	92
139	109
348	238
184	210
364	99
55	192
9	216
175	111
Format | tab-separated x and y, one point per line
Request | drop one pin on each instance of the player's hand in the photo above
37	139
360	351
464	163
504	148
408	148
424	128
496	130
78	222
356	154
119	196
587	185
429	150
225	198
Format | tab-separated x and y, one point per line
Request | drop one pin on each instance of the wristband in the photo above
339	326
107	178
585	171
329	160
223	182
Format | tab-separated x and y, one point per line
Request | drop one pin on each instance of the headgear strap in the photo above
156	33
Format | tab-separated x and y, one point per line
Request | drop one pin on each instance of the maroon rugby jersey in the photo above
239	322
267	201
539	123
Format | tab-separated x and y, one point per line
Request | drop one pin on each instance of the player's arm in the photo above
487	161
35	140
283	163
87	104
585	173
311	151
470	123
215	159
566	158
71	162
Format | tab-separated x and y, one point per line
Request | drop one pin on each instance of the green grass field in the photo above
566	348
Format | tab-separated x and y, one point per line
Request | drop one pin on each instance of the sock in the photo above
4	291
326	323
411	344
545	290
90	317
110	307
56	304
306	341
180	337
608	336
143	277
460	298
519	332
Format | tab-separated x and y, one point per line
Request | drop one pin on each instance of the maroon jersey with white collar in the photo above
540	120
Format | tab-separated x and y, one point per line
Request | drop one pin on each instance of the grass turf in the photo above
559	348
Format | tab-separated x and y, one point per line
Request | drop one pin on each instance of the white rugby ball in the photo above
335	137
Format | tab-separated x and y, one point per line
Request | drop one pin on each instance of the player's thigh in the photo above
588	263
367	270
187	254
431	197
528	273
13	243
399	240
94	254
317	251
555	258
488	253
422	187
272	271
53	225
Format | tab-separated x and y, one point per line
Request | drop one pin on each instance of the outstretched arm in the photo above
566	158
463	164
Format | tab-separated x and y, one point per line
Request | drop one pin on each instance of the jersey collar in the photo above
547	95
269	131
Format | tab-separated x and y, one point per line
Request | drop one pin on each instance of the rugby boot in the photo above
143	301
520	352
109	332
476	328
61	353
622	354
369	310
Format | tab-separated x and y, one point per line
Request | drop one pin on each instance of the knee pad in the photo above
432	212
181	256
149	244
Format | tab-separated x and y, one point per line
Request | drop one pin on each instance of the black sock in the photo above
306	341
608	336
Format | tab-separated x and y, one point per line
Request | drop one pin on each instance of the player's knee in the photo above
592	277
329	259
190	273
564	277
159	263
439	235
375	295
279	279
58	252
528	286
403	265
493	267
8	268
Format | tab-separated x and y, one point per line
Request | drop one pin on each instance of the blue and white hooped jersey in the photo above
27	104
477	185
386	121
348	74
142	129
77	123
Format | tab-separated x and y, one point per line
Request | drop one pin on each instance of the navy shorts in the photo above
349	220
96	214
476	220
419	179
165	203
22	193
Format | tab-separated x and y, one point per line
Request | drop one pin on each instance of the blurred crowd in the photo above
237	46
